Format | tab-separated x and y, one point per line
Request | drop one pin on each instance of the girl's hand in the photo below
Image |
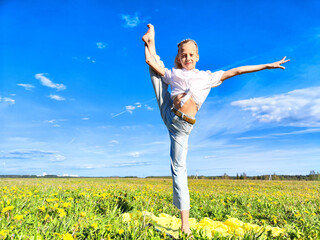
278	63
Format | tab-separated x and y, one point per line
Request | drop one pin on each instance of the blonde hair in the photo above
177	63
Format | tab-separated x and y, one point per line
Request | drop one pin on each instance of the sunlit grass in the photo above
87	208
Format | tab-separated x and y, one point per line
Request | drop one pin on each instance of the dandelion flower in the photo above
7	209
18	217
94	225
67	236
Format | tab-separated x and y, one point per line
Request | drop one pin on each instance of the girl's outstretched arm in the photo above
150	51
254	68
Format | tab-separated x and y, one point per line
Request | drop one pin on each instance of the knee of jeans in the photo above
179	169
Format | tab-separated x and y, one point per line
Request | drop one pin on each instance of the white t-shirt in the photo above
196	84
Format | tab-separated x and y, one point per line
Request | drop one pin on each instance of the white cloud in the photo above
112	142
7	100
26	86
54	122
130	164
299	108
148	107
57	97
57	158
48	83
135	154
131	21
130	108
101	45
85	118
306	131
90	59
51	121
32	154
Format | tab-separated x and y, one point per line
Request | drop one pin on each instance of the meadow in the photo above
100	208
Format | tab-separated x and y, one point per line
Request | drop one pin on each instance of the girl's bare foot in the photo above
188	233
148	38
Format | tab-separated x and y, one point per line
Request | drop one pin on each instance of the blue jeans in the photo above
179	131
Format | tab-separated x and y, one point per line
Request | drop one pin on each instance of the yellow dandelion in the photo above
109	227
46	217
83	214
18	217
42	208
121	231
67	236
7	209
66	204
4	233
61	212
94	225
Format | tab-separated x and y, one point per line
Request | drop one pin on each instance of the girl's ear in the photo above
198	57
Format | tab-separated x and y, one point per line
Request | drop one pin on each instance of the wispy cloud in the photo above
54	122
148	107
101	45
130	20
113	142
133	107
299	108
48	83
84	59
7	100
130	108
27	154
91	60
131	164
135	154
306	131
57	97
28	87
57	158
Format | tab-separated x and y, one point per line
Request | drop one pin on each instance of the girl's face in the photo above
188	56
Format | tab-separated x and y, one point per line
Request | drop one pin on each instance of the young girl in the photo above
189	89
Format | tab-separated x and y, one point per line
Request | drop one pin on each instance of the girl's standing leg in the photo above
179	135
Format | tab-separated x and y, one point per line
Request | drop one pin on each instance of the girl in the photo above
189	89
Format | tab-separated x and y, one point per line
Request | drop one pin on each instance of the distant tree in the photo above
225	176
275	177
313	176
243	176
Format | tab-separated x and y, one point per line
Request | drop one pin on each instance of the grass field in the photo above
93	208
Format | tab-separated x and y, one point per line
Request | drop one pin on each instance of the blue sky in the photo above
76	99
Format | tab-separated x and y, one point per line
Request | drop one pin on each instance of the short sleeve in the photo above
167	76
215	78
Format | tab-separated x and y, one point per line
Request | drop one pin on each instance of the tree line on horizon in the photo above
312	176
